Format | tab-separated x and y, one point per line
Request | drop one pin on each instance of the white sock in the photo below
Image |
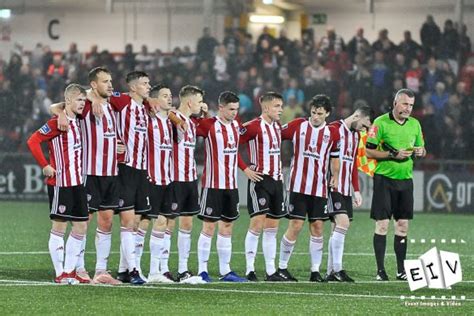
224	251
80	265
316	252
127	249
184	247
269	245
337	247
156	248
251	245
56	250
204	250
286	249
165	255
103	243
330	267
139	244
73	248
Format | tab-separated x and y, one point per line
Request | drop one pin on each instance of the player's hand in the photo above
333	183
357	200
253	175
154	104
97	109
63	124
419	151
182	127
120	148
49	171
403	154
204	110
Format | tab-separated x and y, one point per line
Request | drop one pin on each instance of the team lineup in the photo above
132	155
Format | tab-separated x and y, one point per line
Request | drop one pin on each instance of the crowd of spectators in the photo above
440	70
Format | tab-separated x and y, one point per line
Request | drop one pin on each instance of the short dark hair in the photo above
189	90
95	71
134	75
321	101
365	111
409	93
155	90
270	96
227	97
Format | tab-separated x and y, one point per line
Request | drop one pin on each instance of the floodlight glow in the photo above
267	19
267	1
5	13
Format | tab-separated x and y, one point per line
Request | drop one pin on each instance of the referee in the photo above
395	139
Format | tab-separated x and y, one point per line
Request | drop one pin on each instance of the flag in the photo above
364	164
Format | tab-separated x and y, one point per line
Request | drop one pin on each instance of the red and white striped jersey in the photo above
222	147
160	149
65	152
347	144
311	156
99	141
132	125
264	147
183	167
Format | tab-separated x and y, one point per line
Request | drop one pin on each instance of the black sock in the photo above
380	242
400	247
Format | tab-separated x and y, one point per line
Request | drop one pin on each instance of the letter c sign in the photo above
51	25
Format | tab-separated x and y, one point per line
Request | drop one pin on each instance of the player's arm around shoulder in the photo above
288	130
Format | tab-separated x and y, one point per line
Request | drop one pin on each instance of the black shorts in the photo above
134	188
102	192
68	203
300	206
159	199
392	198
339	204
184	199
266	197
219	204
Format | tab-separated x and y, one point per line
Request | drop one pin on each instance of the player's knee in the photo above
104	222
208	228
381	227
271	223
144	223
59	226
342	220
159	224
186	223
316	228
401	227
295	226
79	228
256	223
170	225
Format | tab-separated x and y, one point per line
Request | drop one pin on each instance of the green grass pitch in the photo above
26	274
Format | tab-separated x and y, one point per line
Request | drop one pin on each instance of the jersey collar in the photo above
390	115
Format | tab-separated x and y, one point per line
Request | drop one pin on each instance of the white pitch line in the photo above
16	253
202	289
